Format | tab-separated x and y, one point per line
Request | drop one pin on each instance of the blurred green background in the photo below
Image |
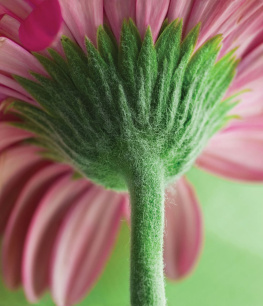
230	272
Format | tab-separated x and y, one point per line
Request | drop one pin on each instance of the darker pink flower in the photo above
58	230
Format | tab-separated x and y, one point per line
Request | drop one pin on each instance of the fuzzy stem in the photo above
146	187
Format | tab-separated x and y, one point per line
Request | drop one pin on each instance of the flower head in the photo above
68	224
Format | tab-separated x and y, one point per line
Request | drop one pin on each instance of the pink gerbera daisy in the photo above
82	121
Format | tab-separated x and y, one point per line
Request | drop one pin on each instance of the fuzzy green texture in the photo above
101	109
133	115
146	187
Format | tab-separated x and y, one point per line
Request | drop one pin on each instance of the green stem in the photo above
146	187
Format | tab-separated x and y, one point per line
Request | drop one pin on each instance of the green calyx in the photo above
104	111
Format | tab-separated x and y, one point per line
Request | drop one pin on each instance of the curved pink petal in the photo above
9	27
17	165
16	60
248	24
41	26
19	8
184	230
84	243
17	227
8	92
12	84
250	69
180	9
83	18
42	233
10	135
236	152
249	77
151	12
116	11
212	15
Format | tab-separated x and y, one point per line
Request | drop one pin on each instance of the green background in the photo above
230	272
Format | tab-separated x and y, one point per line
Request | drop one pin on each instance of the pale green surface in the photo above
230	272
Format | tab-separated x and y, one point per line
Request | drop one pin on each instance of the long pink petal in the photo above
84	244
17	165
41	26
180	9
250	77
42	233
212	15
184	230
8	92
151	12
12	84
10	135
9	27
249	24
236	152
16	230
116	11
83	18
19	8
16	60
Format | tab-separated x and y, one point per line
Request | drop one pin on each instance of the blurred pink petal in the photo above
17	227
151	13
20	8
10	135
180	9
236	152
84	243
8	92
43	230
184	230
12	84
17	166
16	60
116	11
9	27
41	26
249	23
249	76
83	18
212	15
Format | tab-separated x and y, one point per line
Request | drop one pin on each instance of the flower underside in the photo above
105	111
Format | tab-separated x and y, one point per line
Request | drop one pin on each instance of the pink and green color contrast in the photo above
105	105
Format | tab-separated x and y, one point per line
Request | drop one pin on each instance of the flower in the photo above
58	230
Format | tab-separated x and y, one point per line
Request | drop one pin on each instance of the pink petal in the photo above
249	76
7	92
17	227
16	60
20	8
184	230
117	11
212	15
236	152
42	233
249	24
180	9
12	84
41	26
10	135
250	69
17	165
84	244
151	12
83	18
9	27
